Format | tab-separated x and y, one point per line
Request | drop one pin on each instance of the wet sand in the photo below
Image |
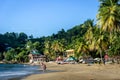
78	72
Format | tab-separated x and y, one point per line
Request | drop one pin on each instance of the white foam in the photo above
14	73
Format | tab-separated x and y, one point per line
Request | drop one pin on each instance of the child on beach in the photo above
43	66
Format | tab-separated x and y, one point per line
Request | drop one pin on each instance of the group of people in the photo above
43	66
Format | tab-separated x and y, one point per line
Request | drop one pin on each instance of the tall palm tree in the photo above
101	44
109	15
108	19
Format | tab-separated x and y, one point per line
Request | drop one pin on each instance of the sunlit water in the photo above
8	71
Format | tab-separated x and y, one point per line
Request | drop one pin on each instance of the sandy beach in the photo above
79	72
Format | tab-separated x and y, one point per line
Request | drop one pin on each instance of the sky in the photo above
44	17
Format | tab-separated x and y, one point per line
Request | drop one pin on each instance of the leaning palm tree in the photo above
109	15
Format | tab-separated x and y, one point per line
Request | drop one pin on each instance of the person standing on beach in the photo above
43	66
106	58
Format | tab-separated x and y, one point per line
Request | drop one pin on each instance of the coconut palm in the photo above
101	44
57	47
89	37
109	15
114	49
81	48
47	48
88	23
109	20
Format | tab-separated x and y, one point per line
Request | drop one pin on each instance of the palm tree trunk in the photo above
101	56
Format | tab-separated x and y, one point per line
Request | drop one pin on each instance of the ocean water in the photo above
8	71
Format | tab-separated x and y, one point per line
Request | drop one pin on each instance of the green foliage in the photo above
29	46
109	15
86	39
1	56
114	48
10	54
22	56
36	45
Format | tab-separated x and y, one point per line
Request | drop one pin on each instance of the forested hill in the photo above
20	40
69	35
85	39
14	40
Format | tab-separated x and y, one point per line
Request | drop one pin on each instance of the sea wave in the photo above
8	71
15	73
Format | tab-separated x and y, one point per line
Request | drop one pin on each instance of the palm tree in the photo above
89	37
109	20
96	41
57	47
81	49
101	44
114	49
47	49
109	15
88	23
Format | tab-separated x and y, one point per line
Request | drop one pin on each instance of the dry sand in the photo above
79	72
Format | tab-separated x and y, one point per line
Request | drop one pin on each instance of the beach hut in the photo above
70	52
36	57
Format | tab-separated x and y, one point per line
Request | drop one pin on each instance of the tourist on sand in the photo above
43	66
106	58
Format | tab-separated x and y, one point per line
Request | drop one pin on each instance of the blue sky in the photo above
44	17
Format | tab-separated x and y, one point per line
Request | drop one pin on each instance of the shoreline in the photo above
39	71
17	71
78	72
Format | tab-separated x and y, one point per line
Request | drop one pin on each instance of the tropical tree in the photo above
10	55
109	15
114	48
81	49
22	38
109	20
90	37
57	47
36	45
88	23
22	56
47	49
29	46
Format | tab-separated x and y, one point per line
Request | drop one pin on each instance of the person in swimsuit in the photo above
43	66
